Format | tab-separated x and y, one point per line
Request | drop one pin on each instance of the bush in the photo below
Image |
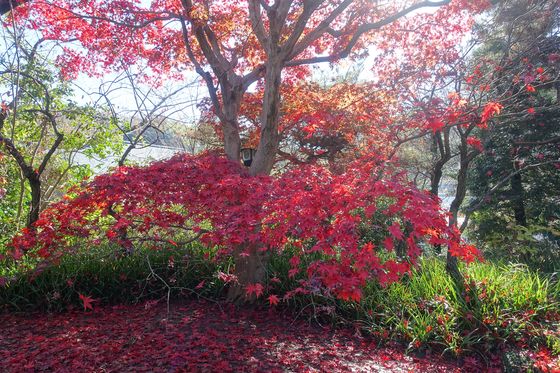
309	208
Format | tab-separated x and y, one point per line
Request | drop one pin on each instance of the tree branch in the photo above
362	29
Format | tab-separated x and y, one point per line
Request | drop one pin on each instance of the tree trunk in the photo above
442	149
452	265
32	176
232	93
20	199
35	184
518	199
270	138
232	142
250	268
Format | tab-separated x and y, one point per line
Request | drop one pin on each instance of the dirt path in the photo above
195	337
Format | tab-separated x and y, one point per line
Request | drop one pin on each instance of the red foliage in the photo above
475	143
194	337
87	301
490	109
208	196
113	34
544	361
321	123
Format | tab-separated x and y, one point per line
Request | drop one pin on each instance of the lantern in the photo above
247	155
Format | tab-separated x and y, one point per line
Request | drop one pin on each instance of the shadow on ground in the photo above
195	336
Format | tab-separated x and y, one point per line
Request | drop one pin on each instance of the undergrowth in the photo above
499	304
107	276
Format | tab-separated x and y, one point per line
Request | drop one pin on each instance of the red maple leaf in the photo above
475	143
273	300
389	245
200	284
436	125
87	301
490	109
395	230
256	289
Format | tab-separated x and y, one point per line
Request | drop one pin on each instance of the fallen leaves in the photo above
256	289
87	302
273	300
194	337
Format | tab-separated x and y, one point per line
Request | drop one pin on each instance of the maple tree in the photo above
321	124
358	222
307	208
230	53
233	45
459	101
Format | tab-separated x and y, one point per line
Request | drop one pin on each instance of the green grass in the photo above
500	304
109	278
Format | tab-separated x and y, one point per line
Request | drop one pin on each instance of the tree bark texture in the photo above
250	268
270	138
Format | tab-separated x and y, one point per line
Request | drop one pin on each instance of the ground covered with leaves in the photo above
199	336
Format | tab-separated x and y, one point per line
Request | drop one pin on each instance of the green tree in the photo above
515	184
41	131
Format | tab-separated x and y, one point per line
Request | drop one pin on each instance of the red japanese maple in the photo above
233	44
215	200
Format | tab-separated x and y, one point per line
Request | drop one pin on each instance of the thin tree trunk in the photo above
442	148
452	265
518	204
20	199
518	200
35	184
270	138
33	176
